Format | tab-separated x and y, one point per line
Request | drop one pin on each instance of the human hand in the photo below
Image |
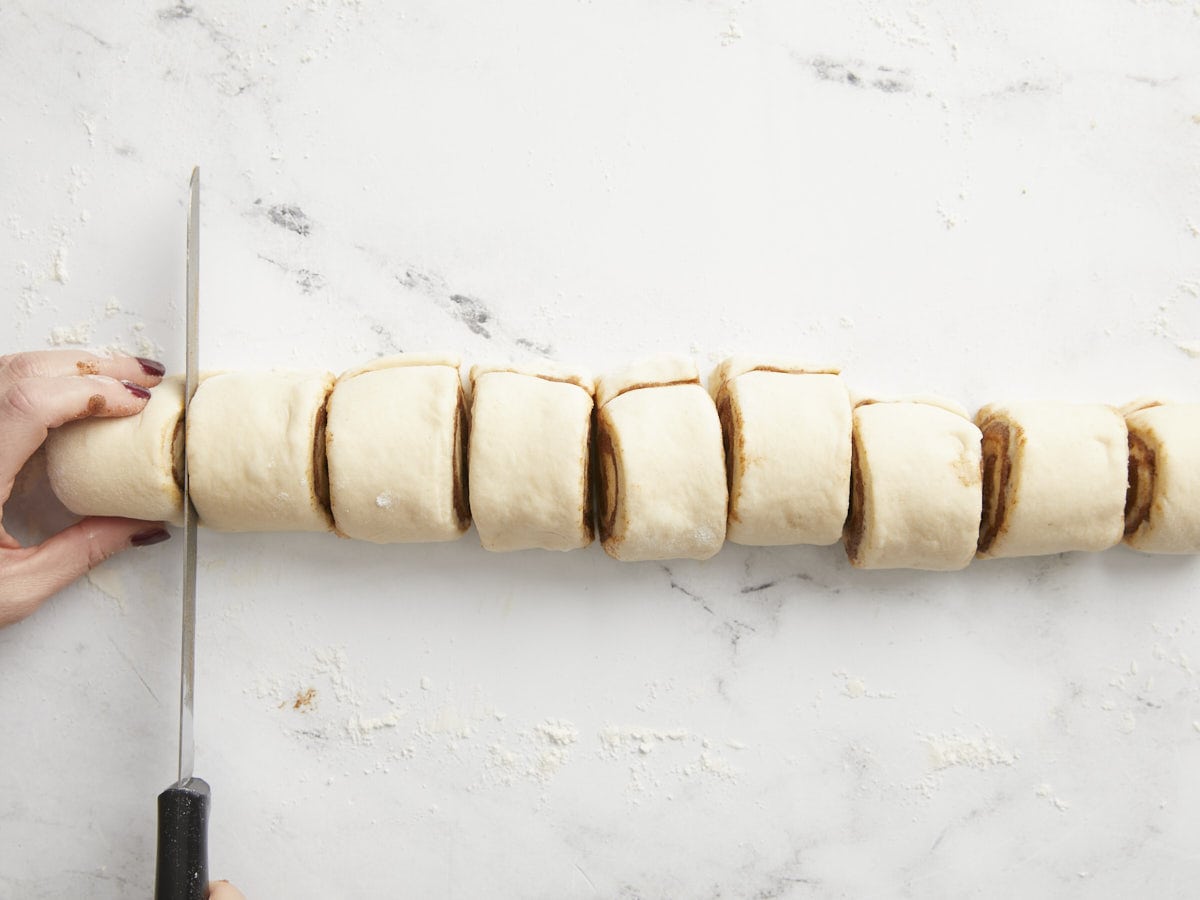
40	391
223	890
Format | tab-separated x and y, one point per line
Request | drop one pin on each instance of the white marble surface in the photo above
988	201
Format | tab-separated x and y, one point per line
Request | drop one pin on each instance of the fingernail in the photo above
152	536
137	390
151	366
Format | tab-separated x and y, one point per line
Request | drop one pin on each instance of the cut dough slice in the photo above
1162	510
1055	477
129	467
529	458
395	439
662	491
915	487
787	451
256	451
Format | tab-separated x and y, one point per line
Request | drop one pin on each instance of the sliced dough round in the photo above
1054	478
129	466
662	491
256	451
787	452
395	439
1162	510
529	458
915	487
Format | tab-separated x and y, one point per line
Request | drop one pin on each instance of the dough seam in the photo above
641	385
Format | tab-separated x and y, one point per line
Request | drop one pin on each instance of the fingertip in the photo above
156	534
223	890
49	567
151	367
137	390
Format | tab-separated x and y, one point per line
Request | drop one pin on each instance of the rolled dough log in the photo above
662	492
130	467
787	451
915	487
395	440
256	451
529	457
1162	509
1054	478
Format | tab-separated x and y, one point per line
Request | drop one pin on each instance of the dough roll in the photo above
1162	508
256	451
915	487
129	467
528	458
1054	478
395	440
787	451
662	491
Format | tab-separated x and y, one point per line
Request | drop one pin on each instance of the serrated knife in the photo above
182	868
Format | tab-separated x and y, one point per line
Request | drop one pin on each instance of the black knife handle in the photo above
183	841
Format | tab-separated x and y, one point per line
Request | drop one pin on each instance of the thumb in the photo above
30	575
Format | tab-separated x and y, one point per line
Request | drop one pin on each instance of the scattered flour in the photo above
384	500
617	740
953	749
731	34
1191	348
558	731
58	270
331	663
78	334
360	729
1047	793
856	688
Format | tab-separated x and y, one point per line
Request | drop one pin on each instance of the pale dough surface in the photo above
920	478
787	438
1172	431
253	463
544	369
658	370
393	445
529	458
733	366
664	467
1070	471
123	466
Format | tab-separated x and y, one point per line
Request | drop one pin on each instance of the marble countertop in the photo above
986	201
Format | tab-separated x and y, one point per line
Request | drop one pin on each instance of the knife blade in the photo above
182	865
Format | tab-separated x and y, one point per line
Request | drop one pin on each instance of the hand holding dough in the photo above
129	467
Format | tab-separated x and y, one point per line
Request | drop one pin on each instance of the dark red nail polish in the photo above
152	536
137	390
150	366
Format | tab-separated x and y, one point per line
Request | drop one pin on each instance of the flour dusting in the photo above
1047	793
954	749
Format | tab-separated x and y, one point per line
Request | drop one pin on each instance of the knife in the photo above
182	869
